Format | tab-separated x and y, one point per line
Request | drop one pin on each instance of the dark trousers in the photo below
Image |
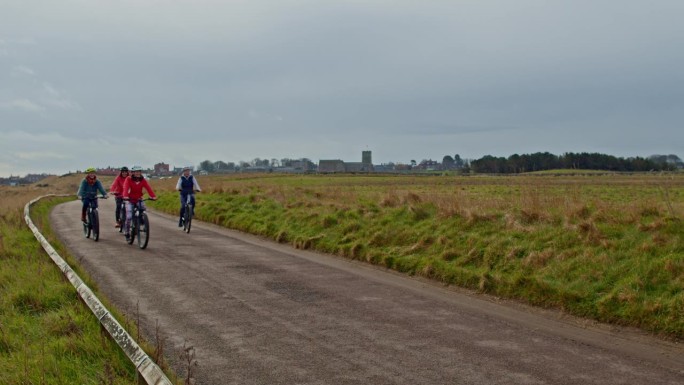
119	211
85	206
183	199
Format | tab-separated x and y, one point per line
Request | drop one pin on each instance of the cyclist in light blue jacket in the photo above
88	190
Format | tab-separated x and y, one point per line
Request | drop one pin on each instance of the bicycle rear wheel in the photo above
95	224
187	219
143	231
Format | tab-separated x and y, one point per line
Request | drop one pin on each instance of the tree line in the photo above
515	163
221	166
581	161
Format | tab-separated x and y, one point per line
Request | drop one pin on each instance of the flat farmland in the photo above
608	247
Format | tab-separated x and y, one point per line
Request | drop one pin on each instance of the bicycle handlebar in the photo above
92	197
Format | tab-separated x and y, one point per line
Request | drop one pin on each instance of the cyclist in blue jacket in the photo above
187	184
88	189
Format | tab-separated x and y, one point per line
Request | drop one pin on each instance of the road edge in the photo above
148	370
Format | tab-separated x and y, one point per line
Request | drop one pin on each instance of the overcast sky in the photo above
123	82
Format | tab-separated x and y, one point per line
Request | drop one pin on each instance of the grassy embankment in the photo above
605	247
47	335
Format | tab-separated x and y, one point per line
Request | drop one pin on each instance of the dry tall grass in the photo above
524	199
16	197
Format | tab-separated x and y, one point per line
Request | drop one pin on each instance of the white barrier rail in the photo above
148	370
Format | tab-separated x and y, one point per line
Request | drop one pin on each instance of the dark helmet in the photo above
124	168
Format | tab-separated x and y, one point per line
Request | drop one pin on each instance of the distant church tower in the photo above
366	157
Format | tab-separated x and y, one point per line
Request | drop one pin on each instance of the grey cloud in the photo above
22	71
25	105
322	79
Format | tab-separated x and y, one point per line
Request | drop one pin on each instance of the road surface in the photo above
259	312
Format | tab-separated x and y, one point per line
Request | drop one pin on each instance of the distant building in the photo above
336	165
366	157
109	171
303	165
357	167
384	167
429	165
28	179
33	178
11	181
331	165
162	169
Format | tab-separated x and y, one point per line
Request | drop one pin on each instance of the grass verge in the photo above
47	335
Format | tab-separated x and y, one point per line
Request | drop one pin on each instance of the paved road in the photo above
262	313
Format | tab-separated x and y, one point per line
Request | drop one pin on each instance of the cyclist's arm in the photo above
101	189
147	186
178	184
115	187
81	189
126	188
196	187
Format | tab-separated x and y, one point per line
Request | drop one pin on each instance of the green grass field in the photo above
605	247
47	334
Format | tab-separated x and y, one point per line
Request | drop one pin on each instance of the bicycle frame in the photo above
188	212
139	225
120	212
92	224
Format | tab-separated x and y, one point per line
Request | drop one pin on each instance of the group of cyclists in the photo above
127	188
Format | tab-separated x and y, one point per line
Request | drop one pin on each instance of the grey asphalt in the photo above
258	312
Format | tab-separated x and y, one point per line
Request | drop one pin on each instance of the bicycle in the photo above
120	213
91	226
188	213
121	220
140	225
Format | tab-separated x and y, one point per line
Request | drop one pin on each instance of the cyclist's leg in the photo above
84	209
142	208
192	204
183	199
118	211
93	208
129	216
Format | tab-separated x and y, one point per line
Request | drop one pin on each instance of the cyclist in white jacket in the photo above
187	184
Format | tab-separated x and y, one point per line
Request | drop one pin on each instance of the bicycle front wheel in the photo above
95	224
187	221
132	230
86	227
143	231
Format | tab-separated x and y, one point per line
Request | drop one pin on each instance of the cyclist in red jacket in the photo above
133	191
117	190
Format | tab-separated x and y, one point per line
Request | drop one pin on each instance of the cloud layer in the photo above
123	82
